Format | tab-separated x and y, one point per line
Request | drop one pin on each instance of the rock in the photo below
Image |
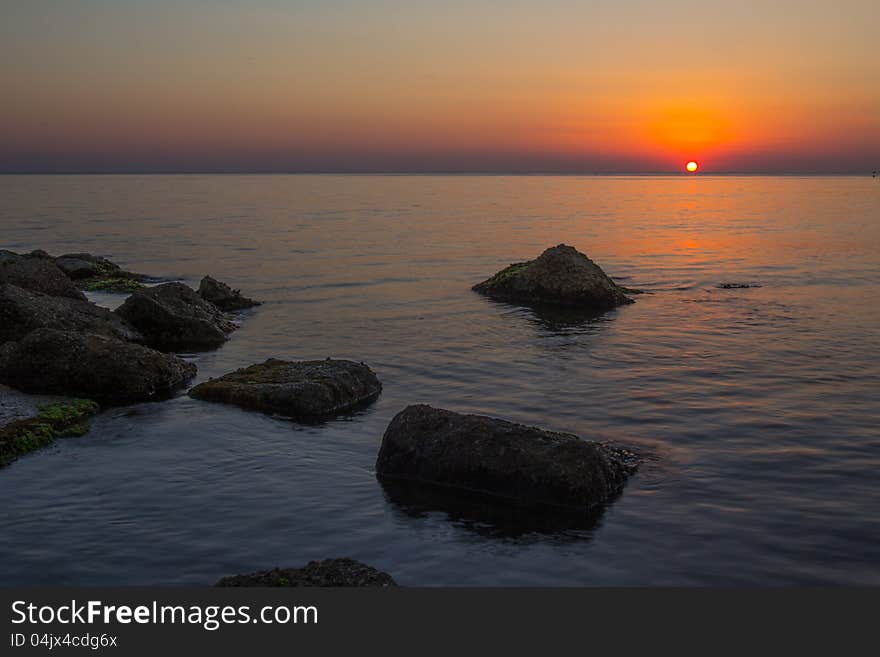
172	317
22	311
304	390
95	273
561	276
329	572
223	296
521	464
36	273
109	371
736	286
56	420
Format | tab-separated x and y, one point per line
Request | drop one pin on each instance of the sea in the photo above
746	375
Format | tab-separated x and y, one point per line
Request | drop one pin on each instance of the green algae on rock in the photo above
55	420
95	273
120	285
301	390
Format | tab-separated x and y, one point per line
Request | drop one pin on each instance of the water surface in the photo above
757	409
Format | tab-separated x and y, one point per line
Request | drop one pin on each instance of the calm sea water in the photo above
758	410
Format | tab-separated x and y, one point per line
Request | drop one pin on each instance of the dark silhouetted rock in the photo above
91	272
223	296
172	317
22	311
329	572
561	276
37	273
307	389
736	286
525	465
49	361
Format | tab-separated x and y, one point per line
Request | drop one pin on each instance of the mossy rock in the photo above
122	285
561	276
61	419
304	390
505	274
67	413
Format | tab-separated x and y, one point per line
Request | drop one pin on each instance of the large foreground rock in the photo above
22	311
172	317
305	389
223	296
38	273
508	461
49	361
561	276
329	572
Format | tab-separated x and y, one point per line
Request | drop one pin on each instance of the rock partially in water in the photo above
69	417
22	311
96	273
302	390
110	371
37	273
508	461
223	296
736	286
172	317
561	276
328	572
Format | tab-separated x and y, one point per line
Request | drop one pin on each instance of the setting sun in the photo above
691	166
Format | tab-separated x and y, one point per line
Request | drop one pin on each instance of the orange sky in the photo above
274	85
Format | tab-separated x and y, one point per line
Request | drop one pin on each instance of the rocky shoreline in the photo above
53	341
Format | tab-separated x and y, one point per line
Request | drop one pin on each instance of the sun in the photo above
691	166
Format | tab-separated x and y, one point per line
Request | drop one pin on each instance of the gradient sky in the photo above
482	85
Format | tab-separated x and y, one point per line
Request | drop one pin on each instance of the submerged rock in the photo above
736	286
37	273
305	389
55	420
22	311
172	317
92	366
329	572
223	296
561	276
95	273
521	464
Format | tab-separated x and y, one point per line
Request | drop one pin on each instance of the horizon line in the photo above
440	172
